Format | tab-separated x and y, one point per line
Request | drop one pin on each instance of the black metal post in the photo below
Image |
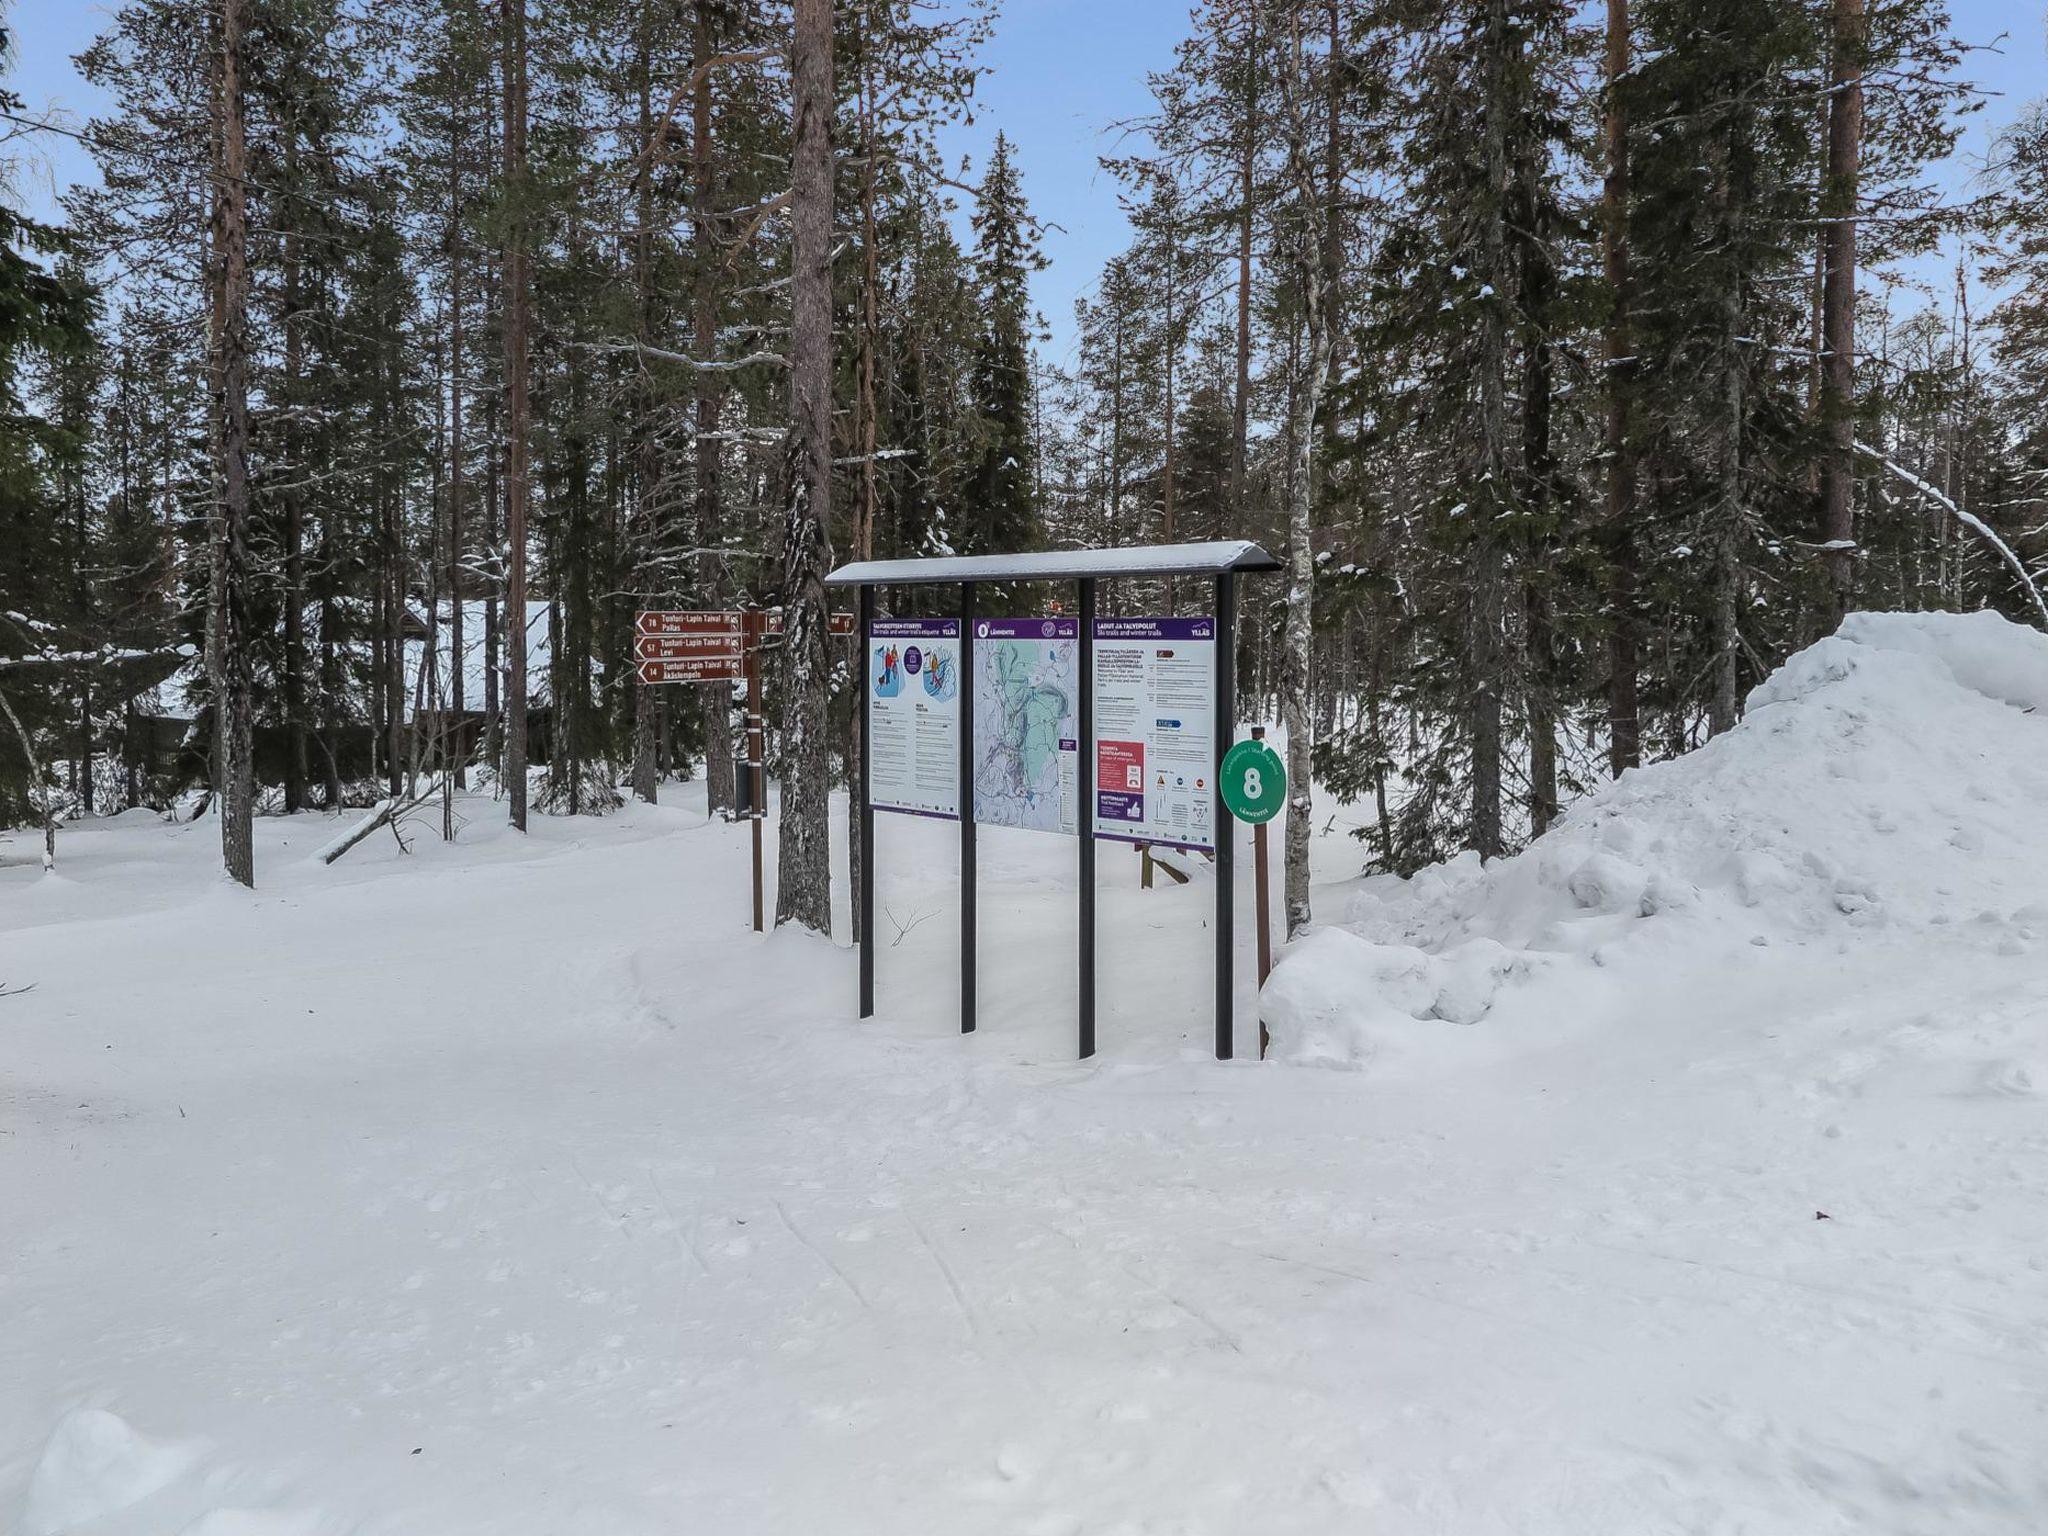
1225	823
1084	815
966	696
866	809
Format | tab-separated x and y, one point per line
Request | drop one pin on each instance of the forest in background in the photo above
1571	359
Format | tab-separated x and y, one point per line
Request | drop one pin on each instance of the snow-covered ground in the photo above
515	1186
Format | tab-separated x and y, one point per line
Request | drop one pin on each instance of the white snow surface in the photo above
515	1186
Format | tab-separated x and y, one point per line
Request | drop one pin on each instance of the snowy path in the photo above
520	1189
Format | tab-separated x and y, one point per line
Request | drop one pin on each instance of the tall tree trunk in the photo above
1538	290
428	702
1116	429
1247	171
1486	641
1298	646
294	679
1314	206
516	303
1334	161
457	704
804	878
646	698
330	673
866	411
574	552
393	568
1838	304
712	578
1172	351
494	675
73	477
1624	629
1728	509
233	621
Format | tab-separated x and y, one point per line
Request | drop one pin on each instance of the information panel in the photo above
913	668
1026	690
1155	731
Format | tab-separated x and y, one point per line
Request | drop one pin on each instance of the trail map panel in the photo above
1155	731
913	688
1026	688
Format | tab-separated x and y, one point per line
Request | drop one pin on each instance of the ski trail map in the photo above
1026	684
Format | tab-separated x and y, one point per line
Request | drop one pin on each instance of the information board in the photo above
1026	690
1155	731
913	682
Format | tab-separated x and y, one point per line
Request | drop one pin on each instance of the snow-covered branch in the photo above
1969	520
104	656
683	359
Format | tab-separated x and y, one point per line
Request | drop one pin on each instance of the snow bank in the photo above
1884	782
95	1465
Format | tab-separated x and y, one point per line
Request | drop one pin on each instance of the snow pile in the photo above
93	1466
1885	782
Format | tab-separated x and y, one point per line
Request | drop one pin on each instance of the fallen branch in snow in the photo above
385	813
1969	520
903	930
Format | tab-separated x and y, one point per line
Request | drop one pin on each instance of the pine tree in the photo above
803	892
998	514
45	320
232	630
1722	167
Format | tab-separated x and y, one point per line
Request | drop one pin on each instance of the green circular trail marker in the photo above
1254	783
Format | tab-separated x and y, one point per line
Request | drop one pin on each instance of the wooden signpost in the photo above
693	669
722	622
678	647
720	645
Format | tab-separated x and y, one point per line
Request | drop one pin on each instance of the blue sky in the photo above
1062	72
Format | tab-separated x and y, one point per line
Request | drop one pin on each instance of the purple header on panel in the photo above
916	629
1027	629
1155	629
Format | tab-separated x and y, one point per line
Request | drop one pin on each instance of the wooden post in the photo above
1084	816
865	811
1225	728
967	874
751	629
1264	897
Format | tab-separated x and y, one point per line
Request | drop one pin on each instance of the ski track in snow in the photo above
518	1187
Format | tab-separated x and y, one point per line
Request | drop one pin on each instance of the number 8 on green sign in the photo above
1253	782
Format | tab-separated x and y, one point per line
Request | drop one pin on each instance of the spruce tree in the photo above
998	513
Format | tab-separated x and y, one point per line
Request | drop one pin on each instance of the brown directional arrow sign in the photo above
694	669
679	647
673	622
